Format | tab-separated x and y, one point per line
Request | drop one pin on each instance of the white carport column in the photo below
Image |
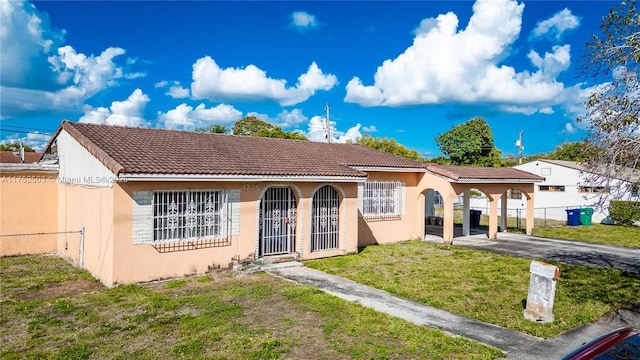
503	212
466	217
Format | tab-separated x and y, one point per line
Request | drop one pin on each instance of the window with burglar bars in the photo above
188	215
382	198
325	219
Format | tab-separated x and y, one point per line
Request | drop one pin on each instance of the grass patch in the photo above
627	236
222	315
483	285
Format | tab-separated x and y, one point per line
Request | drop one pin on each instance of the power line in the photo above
4	127
28	132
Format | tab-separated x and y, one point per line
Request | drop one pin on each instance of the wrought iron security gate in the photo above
277	222
325	219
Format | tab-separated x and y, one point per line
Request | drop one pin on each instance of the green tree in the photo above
613	109
390	146
252	126
15	146
470	143
214	129
571	151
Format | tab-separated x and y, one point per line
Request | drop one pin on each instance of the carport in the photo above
452	181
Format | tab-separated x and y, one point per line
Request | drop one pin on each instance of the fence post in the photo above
81	255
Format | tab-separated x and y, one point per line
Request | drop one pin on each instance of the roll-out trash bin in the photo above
475	217
586	215
573	217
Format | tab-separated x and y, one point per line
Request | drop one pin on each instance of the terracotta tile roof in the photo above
483	174
9	157
132	150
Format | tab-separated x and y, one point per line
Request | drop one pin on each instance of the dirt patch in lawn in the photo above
279	316
64	288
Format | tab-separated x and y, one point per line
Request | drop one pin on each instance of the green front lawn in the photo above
627	236
483	285
50	310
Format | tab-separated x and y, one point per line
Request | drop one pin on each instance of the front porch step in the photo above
277	259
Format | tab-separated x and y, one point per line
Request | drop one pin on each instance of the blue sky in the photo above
403	70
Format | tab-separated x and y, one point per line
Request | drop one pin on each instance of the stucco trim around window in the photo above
381	200
178	220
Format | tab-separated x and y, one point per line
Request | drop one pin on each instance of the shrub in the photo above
625	213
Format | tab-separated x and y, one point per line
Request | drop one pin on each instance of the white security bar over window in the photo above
277	221
382	198
189	215
325	219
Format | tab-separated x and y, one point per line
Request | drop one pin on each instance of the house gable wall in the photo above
78	166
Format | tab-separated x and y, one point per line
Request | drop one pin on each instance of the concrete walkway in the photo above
515	344
503	339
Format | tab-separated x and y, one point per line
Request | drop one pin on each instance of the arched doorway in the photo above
277	221
325	222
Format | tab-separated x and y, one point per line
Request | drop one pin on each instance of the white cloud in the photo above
556	26
84	76
252	84
369	129
318	131
569	128
285	119
40	74
35	140
552	64
175	91
303	20
178	92
446	64
129	112
293	118
185	117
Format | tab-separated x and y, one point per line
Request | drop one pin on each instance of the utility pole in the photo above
520	147
328	122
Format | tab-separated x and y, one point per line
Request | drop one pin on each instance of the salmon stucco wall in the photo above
142	262
347	220
90	209
28	204
409	225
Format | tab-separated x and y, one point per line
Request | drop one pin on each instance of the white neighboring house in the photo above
565	187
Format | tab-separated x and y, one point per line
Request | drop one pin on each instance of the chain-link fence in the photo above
68	244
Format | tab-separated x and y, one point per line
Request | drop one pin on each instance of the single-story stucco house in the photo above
159	204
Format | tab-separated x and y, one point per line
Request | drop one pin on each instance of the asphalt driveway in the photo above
568	252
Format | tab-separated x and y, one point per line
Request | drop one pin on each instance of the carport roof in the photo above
475	174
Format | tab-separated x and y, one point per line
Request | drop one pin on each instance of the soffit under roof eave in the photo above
495	181
389	169
124	177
